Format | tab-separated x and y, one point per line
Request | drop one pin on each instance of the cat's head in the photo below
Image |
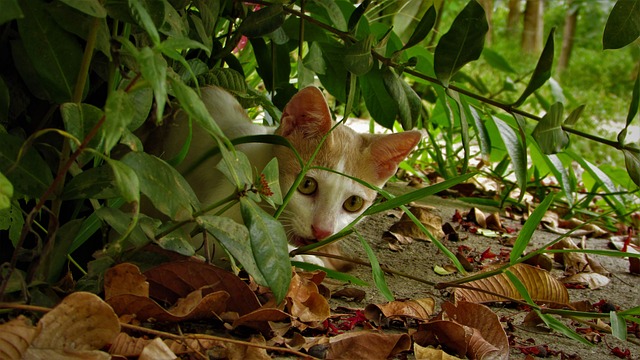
325	202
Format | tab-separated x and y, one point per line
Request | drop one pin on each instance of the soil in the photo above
420	257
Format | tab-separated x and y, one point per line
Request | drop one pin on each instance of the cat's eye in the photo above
308	186
353	204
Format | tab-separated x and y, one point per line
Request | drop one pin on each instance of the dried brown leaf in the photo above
367	345
591	280
420	309
426	216
477	216
156	349
260	319
15	337
540	285
125	279
82	321
486	322
429	353
304	301
354	294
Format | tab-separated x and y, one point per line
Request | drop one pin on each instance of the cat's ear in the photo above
387	151
307	112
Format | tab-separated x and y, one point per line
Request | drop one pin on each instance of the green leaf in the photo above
357	57
520	287
548	133
618	325
496	61
30	175
463	42
406	110
173	25
11	219
269	247
572	119
516	151
376	270
55	54
143	18
314	59
237	164
623	25
381	105
168	191
194	107
6	192
93	183
90	226
356	15
635	100
422	30
562	175
555	324
271	177
153	68
90	7
632	162
10	10
524	237
126	180
263	21
81	24
601	178
333	13
5	100
79	120
234	238
542	72
119	112
464	111
209	12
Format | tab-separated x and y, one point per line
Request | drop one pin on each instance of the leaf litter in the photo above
200	298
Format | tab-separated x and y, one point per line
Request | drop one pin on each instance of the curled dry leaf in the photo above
370	345
420	309
475	215
82	321
126	346
197	291
426	216
261	319
580	267
540	285
304	302
15	337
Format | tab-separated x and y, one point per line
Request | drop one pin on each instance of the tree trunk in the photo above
487	5
513	20
568	33
533	26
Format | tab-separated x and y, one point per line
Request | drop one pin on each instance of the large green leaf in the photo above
515	149
382	107
263	21
424	27
234	238
561	174
10	10
78	120
357	57
30	175
548	133
119	113
55	54
407	108
356	15
81	24
163	185
94	183
542	72
154	69
632	162
330	10
633	110
623	25
269	247
463	42
90	7
141	14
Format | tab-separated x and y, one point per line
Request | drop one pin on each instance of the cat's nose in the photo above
320	233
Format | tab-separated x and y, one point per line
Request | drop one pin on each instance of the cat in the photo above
325	202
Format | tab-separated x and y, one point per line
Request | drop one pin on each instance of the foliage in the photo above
79	79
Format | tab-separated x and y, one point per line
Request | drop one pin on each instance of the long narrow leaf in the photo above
378	274
423	28
623	25
542	72
516	151
529	227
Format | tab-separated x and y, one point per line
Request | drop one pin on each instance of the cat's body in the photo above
325	201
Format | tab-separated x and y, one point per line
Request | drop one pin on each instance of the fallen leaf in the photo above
429	353
475	215
354	294
420	309
261	318
591	280
425	215
156	349
304	301
371	345
540	285
15	337
442	271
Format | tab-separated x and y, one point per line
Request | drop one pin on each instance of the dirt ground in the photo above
419	258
